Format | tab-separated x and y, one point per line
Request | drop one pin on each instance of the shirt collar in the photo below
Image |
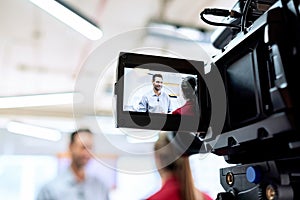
153	93
70	176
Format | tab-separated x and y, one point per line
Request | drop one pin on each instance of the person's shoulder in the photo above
206	196
170	190
53	183
165	94
60	179
200	195
165	194
148	92
97	181
47	191
177	111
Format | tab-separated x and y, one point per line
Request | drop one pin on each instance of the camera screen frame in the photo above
159	121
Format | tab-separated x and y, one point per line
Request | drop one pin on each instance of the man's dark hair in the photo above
156	75
72	137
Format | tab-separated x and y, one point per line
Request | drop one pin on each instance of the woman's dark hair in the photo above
188	87
178	164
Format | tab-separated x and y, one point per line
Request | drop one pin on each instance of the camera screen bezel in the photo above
157	121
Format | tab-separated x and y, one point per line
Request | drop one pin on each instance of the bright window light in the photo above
34	131
64	14
38	100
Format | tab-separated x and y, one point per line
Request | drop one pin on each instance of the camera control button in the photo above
253	174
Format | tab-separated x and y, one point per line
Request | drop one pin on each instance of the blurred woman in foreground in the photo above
175	172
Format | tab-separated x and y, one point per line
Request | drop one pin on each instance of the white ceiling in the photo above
39	54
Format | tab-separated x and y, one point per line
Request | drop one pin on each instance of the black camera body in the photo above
258	69
260	78
261	132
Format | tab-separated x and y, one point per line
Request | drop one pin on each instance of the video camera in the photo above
258	62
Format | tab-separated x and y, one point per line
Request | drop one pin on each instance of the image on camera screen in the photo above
160	93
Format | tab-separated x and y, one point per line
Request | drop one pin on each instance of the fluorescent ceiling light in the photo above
178	32
70	17
38	100
142	140
34	131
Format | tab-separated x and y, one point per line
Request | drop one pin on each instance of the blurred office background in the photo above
41	59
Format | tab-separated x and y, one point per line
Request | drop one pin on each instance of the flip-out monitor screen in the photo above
160	93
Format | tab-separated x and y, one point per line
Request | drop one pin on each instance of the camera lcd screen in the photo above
242	91
160	93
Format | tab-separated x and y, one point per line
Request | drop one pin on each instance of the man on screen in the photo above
155	101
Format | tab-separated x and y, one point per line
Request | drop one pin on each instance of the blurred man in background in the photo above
74	183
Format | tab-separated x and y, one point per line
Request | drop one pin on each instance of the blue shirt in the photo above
155	104
66	187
